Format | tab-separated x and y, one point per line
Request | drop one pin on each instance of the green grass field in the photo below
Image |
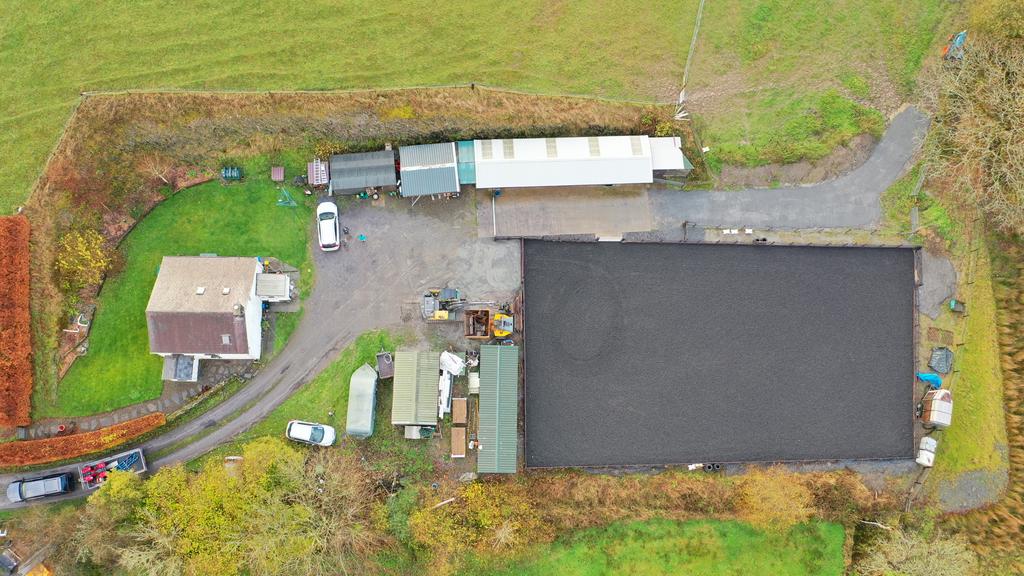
696	548
49	53
236	220
764	71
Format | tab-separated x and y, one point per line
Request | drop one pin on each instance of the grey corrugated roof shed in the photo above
429	169
427	154
499	409
356	172
414	397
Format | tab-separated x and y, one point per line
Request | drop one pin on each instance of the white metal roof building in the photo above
429	169
594	160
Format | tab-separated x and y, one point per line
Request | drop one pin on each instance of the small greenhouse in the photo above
362	400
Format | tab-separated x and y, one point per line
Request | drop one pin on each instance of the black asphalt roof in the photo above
647	354
356	172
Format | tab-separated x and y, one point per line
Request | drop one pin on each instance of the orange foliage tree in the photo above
29	452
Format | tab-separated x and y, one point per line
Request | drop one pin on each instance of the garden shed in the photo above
354	173
429	169
499	409
362	400
414	397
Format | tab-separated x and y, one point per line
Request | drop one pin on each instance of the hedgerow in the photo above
15	332
29	452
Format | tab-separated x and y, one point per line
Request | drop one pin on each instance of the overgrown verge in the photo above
979	127
502	518
15	333
123	154
57	448
792	129
997	531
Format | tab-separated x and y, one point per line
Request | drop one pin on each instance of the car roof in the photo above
301	430
327	231
42	486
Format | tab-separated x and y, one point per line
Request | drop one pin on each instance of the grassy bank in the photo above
780	80
696	548
786	125
236	220
977	438
597	47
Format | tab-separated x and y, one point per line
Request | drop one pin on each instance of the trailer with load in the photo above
94	474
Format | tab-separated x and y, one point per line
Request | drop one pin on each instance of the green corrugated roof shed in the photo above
499	409
414	396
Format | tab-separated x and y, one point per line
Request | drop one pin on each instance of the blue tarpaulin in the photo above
934	379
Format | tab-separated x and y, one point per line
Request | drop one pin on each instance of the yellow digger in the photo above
502	325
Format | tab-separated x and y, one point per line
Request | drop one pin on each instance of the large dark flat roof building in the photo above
655	354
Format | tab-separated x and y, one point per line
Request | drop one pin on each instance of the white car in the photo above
310	433
327	228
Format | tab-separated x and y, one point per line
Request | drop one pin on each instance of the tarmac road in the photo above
849	201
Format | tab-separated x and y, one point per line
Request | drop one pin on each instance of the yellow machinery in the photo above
503	325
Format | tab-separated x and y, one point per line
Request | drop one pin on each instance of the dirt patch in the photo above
841	160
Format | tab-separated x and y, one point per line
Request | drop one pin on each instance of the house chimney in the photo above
226	291
200	290
239	310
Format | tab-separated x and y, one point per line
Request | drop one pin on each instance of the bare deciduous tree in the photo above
977	145
156	165
909	554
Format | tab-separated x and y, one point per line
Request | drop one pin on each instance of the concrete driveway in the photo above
357	289
600	210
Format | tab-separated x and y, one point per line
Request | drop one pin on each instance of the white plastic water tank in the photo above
926	452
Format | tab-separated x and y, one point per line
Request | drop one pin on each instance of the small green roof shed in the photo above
414	398
499	409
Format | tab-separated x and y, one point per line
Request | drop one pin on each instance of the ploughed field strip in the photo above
648	354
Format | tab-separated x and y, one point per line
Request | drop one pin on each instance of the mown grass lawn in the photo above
695	548
49	53
236	220
325	400
785	80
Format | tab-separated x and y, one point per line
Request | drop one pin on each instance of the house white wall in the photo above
254	323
